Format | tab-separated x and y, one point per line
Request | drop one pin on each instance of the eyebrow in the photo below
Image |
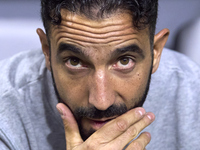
131	48
119	51
68	47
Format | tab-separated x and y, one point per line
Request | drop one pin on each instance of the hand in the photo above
116	134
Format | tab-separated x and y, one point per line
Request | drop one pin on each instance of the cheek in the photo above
132	88
72	91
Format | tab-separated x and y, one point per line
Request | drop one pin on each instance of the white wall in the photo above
18	23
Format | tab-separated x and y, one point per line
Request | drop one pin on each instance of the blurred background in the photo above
19	20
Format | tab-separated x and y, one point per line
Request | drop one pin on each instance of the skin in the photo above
97	76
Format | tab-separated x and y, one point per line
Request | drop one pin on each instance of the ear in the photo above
160	40
45	47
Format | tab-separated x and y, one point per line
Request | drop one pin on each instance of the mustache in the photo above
94	113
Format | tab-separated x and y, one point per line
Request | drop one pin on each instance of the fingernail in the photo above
141	112
148	134
60	111
150	117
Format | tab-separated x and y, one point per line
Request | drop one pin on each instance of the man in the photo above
99	57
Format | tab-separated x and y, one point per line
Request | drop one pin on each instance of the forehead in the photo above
114	29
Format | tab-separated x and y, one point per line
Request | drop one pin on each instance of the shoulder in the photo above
176	69
20	70
175	85
174	99
176	62
19	74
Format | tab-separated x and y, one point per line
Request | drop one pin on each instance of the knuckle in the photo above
121	125
95	143
137	145
91	146
140	143
132	132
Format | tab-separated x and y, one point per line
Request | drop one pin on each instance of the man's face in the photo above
100	68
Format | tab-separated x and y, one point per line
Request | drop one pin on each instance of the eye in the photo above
74	63
124	63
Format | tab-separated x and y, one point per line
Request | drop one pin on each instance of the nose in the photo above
101	94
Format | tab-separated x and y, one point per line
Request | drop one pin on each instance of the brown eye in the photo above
74	61
124	61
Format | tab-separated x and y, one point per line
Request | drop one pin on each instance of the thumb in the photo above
72	134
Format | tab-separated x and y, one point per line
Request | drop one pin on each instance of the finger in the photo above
141	142
134	130
72	134
118	126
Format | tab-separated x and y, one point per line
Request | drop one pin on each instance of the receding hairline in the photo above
97	18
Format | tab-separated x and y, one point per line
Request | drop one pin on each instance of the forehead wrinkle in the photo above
92	40
74	18
112	35
84	44
95	25
102	30
81	44
105	35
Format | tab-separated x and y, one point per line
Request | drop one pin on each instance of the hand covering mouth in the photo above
98	123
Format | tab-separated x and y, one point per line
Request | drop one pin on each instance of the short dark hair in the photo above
144	12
